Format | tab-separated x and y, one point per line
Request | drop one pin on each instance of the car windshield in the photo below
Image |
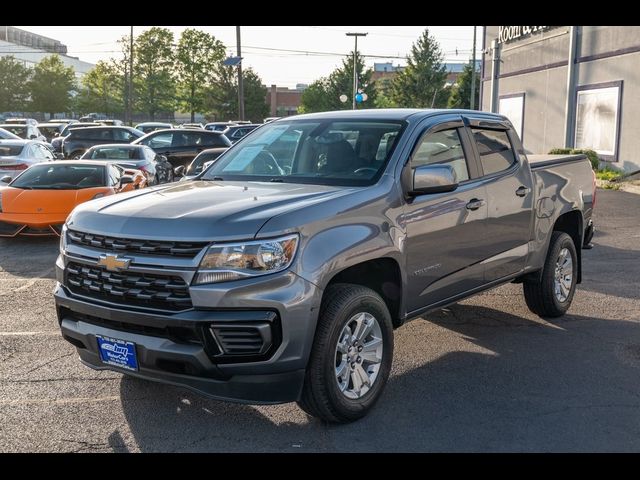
10	150
325	152
48	131
113	153
61	177
20	130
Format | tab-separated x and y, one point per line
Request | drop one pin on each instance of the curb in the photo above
621	186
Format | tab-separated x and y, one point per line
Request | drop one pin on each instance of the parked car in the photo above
236	132
62	120
7	135
261	284
218	126
181	145
37	202
24	131
56	143
148	127
196	166
22	121
115	123
18	155
192	125
51	130
81	139
155	168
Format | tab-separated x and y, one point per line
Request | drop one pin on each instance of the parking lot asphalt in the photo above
483	375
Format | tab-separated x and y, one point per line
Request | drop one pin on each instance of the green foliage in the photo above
383	99
51	86
14	81
421	83
590	154
196	53
101	90
609	174
222	101
153	70
461	92
324	94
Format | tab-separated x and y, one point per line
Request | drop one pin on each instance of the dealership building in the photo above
567	86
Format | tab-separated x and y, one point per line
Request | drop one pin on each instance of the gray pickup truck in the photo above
280	273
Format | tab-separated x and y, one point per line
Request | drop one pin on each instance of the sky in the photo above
283	68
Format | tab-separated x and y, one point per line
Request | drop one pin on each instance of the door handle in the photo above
523	191
475	204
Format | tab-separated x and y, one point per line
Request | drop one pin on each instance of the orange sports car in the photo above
39	200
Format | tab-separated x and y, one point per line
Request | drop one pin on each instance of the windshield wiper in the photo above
214	179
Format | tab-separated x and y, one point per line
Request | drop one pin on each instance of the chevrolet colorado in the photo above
280	272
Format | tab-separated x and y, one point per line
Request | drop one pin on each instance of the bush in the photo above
608	173
590	154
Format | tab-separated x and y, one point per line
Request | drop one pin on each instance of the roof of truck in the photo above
387	114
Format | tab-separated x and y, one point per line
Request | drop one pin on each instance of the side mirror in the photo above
6	179
58	155
126	179
433	179
179	171
32	137
163	158
207	164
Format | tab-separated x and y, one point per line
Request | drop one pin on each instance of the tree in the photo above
196	54
154	84
14	80
383	100
101	90
223	94
326	92
421	83
51	86
461	92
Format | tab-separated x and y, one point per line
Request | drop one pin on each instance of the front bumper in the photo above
12	225
169	357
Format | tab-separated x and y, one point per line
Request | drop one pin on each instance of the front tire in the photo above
351	355
552	296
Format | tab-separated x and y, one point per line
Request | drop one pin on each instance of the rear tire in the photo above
351	355
552	296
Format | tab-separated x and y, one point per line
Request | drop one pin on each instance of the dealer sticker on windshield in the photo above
118	353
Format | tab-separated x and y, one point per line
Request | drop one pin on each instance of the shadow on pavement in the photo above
513	384
29	257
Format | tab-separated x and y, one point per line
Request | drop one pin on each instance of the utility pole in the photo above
495	74
240	83
473	72
130	81
355	74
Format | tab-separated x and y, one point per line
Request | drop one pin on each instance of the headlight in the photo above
63	238
233	261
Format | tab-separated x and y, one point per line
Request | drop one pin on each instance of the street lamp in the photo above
355	75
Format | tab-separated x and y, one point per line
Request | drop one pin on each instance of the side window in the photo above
123	135
496	153
162	140
114	175
442	148
214	140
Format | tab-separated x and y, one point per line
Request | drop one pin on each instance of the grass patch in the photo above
609	174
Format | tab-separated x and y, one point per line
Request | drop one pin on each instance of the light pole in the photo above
472	101
240	83
355	53
130	89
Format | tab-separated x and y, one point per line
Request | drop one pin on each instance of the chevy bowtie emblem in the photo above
113	263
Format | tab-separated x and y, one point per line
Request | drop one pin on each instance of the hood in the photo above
198	210
17	200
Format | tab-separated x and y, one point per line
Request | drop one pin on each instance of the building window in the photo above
512	107
598	118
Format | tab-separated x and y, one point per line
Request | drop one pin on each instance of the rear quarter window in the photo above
495	150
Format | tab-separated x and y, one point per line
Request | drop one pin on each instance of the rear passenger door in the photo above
509	197
445	231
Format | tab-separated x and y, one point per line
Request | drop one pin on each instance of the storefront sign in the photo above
514	32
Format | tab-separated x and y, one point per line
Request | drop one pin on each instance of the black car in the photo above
236	132
181	145
81	139
197	164
56	143
155	167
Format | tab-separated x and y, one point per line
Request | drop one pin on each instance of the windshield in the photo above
10	150
20	130
61	177
113	153
325	152
48	131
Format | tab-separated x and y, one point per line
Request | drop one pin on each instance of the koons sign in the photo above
508	34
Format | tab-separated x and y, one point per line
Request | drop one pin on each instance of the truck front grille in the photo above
129	288
141	247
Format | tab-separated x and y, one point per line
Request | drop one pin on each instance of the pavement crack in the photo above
49	362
